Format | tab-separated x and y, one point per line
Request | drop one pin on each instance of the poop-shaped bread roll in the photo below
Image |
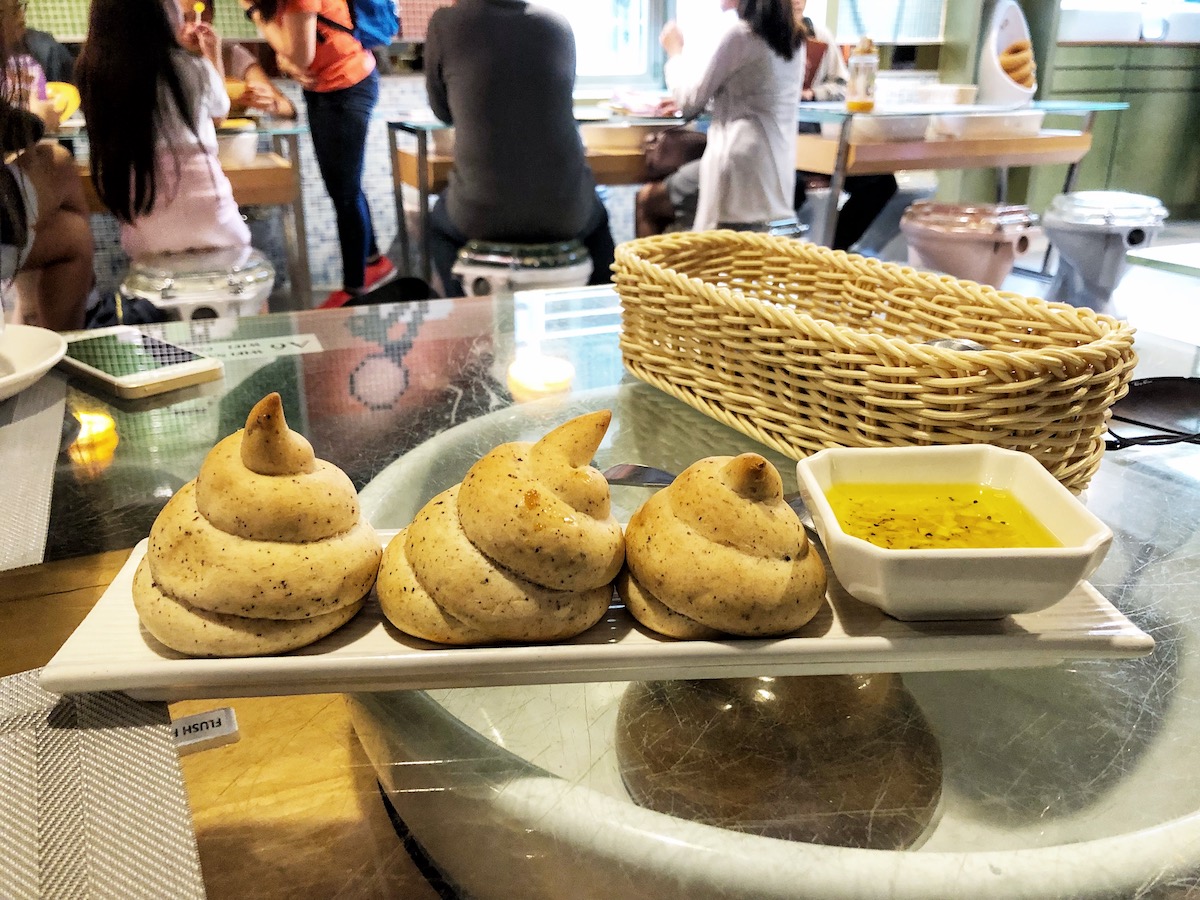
265	551
719	552
524	549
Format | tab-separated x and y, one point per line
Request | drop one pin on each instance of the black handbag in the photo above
667	150
115	309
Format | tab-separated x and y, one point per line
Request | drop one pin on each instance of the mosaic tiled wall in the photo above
67	19
414	16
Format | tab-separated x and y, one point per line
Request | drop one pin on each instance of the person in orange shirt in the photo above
257	90
341	88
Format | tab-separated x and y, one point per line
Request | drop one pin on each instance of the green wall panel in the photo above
1164	57
1047	181
1151	148
67	19
1069	56
1162	80
1158	149
1068	83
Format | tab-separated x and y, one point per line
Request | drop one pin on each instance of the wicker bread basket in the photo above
802	347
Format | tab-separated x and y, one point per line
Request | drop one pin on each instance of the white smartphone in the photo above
132	364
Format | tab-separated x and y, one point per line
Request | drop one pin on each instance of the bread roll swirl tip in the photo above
752	477
269	447
561	460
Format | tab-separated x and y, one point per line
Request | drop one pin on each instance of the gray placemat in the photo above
30	434
92	801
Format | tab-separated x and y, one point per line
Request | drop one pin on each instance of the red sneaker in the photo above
336	299
379	273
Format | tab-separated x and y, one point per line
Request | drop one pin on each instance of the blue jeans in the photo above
337	121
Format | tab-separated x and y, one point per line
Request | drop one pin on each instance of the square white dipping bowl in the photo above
962	583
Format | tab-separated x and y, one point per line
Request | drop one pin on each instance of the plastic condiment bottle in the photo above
860	89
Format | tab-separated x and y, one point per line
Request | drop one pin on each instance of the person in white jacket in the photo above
751	88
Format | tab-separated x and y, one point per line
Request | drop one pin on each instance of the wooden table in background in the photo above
836	157
839	157
270	180
815	153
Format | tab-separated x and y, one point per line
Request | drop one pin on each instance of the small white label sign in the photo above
261	348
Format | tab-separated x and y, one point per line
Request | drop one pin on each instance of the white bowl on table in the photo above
955	583
618	135
986	125
237	142
869	128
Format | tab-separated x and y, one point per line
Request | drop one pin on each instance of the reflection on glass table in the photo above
1069	781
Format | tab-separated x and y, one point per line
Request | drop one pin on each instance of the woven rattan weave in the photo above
802	347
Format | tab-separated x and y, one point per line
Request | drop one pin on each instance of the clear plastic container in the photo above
864	67
988	219
1107	209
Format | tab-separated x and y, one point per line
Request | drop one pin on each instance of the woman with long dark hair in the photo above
341	86
751	86
151	107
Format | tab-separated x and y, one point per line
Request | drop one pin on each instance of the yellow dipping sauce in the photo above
936	516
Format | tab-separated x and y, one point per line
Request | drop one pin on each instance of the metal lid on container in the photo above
975	218
1107	208
199	275
525	256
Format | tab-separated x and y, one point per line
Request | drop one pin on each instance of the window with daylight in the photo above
616	40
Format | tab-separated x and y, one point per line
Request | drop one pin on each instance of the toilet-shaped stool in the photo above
1092	230
974	241
203	284
485	267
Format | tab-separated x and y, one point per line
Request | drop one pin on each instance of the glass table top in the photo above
76	127
1070	781
837	112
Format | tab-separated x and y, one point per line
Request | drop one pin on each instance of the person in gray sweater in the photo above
502	72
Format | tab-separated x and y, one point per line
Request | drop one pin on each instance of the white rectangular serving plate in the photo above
110	651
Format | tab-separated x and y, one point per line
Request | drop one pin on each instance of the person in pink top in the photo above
341	88
152	90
